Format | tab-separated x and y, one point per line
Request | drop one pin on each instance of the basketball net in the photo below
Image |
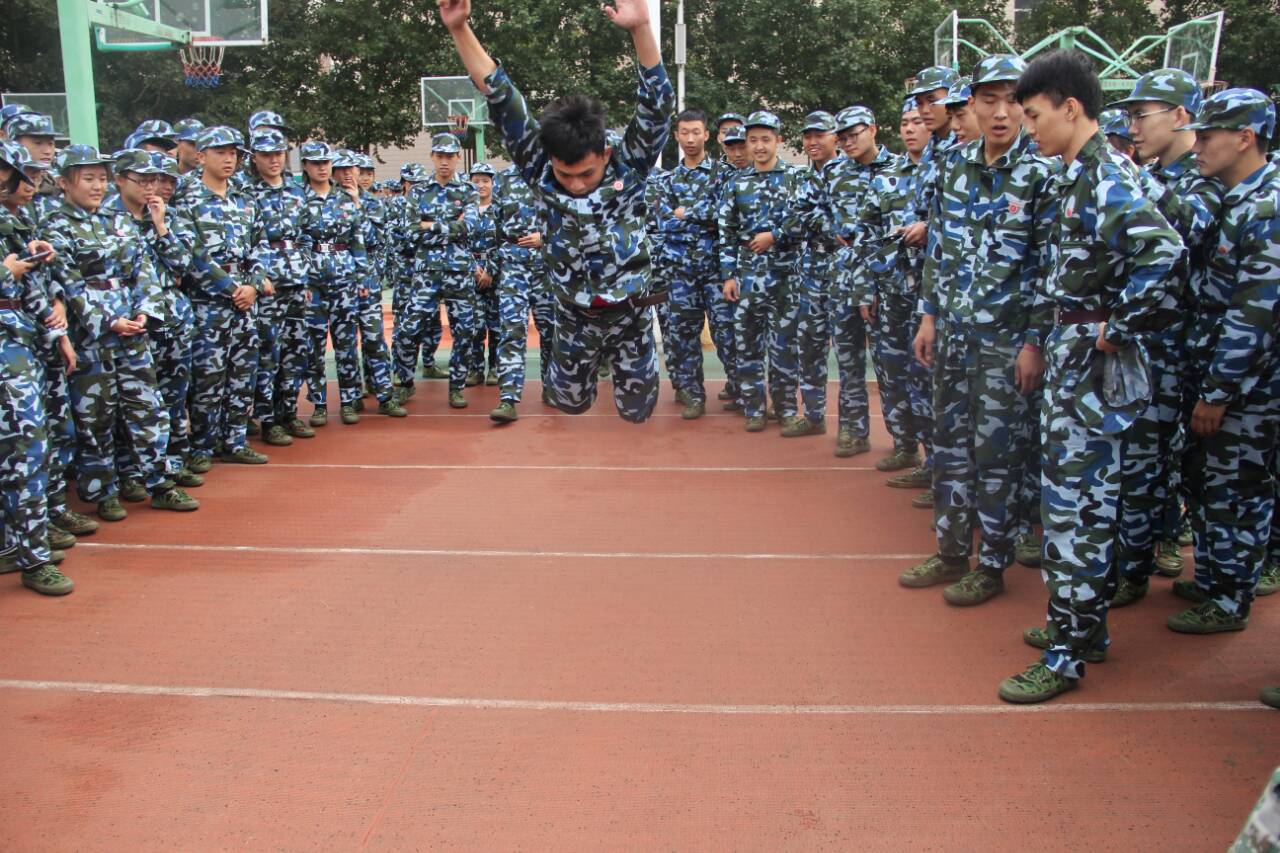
458	125
202	65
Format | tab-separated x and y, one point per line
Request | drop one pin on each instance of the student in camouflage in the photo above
1109	271
1235	368
487	270
592	196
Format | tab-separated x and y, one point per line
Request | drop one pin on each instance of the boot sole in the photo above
969	602
50	591
914	583
176	508
503	419
1197	630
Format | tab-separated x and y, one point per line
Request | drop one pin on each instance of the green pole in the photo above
77	72
479	143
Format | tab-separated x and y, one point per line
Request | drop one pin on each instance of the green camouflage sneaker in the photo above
56	557
681	398
8	562
732	406
756	424
402	393
176	500
348	414
1186	538
924	500
504	413
917	478
358	405
47	580
972	589
457	400
200	464
132	491
1026	550
61	540
799	426
491	379
392	409
253	428
74	522
475	378
1168	562
319	417
694	410
188	479
848	444
899	460
111	510
296	428
1190	591
724	394
1128	592
434	371
1037	683
1270	696
1268	581
1207	618
277	436
934	571
244	456
1038	638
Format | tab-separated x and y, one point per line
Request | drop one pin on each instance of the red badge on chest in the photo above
617	186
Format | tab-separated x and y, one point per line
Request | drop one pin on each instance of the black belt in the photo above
1069	318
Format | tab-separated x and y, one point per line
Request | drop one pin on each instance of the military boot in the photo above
1168	562
1268	581
899	460
1037	683
1190	591
47	580
244	456
434	371
188	479
277	436
973	589
848	444
1129	592
917	478
800	426
174	500
693	410
1026	550
933	571
1270	696
491	379
457	399
1207	618
60	539
924	500
200	463
111	510
74	522
132	491
474	378
392	409
505	413
348	414
402	393
319	417
756	424
297	429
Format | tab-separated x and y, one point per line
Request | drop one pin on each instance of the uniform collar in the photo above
1269	173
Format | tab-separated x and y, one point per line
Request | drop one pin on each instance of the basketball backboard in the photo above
231	23
946	42
443	97
1193	47
52	104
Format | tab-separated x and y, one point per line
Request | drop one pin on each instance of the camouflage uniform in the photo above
375	356
488	320
596	251
522	285
1234	363
766	321
660	273
443	272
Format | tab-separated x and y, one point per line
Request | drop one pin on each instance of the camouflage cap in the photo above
445	143
8	111
1237	109
735	134
80	155
266	140
188	129
1115	123
823	122
316	150
133	160
220	136
1114	389
764	118
998	68
932	78
908	104
157	131
738	117
366	162
1171	86
345	158
851	117
30	124
266	118
163	164
483	169
413	173
17	158
959	93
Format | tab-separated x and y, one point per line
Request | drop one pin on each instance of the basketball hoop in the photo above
202	65
458	125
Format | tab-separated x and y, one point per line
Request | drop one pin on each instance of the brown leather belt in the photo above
1069	318
103	283
10	305
282	244
330	248
638	301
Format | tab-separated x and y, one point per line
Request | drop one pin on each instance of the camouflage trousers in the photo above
375	355
980	442
60	430
1080	509
621	338
284	353
905	386
1231	497
334	315
513	333
488	331
1029	486
542	304
697	298
171	356
456	291
827	320
434	332
118	390
766	326
1151	445
223	365
24	476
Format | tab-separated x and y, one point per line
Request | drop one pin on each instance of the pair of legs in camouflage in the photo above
334	315
60	430
542	305
622	339
513	329
456	290
24	478
224	362
375	355
827	320
284	359
766	325
901	381
697	298
485	342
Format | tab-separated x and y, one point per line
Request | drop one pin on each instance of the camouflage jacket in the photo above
334	223
596	250
879	263
1191	203
1108	247
691	242
484	238
451	210
171	258
106	272
283	211
991	221
755	202
847	192
25	327
227	240
375	225
1237	295
515	215
810	218
931	159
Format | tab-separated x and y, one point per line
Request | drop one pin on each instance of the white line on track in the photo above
444	552
622	707
633	469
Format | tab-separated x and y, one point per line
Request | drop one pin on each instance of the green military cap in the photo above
188	129
163	164
932	78
1115	123
735	134
365	162
998	68
1237	109
316	151
220	136
483	169
267	119
764	118
30	124
959	93
821	121
1171	86
445	143
738	117
80	155
132	160
851	117
17	158
156	131
413	173
1114	389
